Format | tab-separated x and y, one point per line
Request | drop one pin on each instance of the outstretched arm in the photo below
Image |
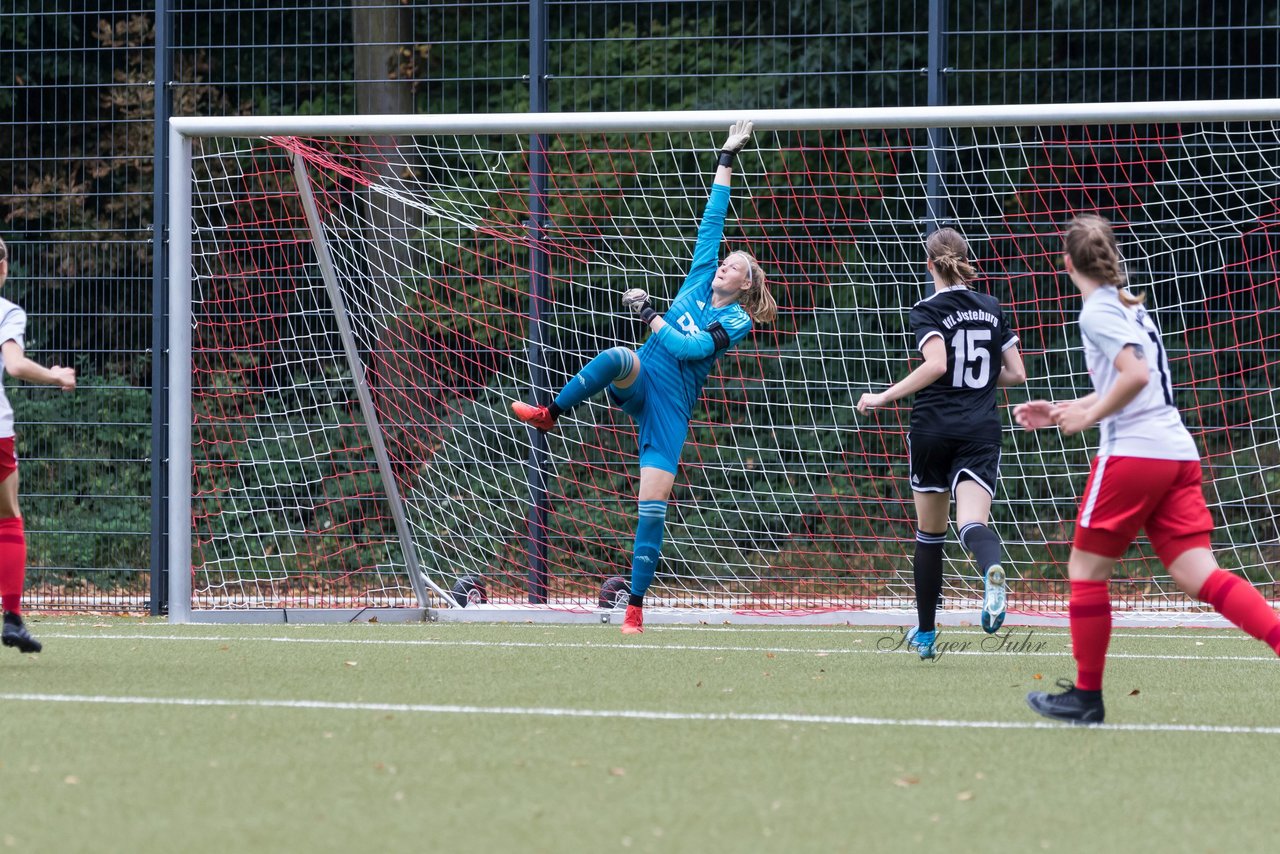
739	133
699	345
933	369
706	254
17	365
717	337
1132	376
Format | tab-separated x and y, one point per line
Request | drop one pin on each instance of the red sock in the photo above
1234	598
1090	611
13	563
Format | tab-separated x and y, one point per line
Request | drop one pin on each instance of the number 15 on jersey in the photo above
972	358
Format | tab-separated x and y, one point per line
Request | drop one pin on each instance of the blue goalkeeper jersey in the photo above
682	353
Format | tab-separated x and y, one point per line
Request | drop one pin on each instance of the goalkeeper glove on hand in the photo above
637	299
739	133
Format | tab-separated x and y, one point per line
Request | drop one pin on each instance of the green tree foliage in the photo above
87	524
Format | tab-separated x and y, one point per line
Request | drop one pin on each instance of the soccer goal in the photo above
355	300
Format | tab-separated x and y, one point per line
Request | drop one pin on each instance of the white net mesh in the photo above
787	501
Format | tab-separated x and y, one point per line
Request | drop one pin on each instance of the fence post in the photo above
159	315
538	300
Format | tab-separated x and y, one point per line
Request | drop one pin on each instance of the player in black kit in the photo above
954	439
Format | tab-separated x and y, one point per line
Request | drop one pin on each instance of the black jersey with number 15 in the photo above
962	403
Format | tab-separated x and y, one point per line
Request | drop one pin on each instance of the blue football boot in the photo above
922	642
993	600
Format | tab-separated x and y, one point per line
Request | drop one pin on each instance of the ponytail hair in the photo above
949	252
756	299
1091	244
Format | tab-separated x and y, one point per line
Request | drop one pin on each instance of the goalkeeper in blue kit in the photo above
714	309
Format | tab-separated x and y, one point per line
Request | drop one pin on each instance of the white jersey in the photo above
1149	426
13	327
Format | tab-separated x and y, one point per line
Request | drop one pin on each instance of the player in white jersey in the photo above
1146	474
13	542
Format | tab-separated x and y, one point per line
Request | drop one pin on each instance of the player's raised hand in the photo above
637	301
1034	414
739	133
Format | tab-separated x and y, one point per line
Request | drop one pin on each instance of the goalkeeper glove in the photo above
637	299
739	133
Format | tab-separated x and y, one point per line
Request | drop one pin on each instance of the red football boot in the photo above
535	416
633	622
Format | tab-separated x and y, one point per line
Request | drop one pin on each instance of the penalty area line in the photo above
622	714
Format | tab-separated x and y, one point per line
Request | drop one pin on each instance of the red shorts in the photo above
8	458
1126	494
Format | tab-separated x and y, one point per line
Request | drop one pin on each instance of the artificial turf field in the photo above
134	735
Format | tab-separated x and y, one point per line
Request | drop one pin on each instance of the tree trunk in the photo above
383	33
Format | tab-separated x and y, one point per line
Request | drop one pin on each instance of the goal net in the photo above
359	302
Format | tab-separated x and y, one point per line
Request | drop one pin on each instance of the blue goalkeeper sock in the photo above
611	365
653	517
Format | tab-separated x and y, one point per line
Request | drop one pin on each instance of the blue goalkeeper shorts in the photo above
661	421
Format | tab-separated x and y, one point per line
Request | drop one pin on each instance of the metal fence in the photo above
83	85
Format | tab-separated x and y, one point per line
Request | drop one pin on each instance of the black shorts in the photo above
939	463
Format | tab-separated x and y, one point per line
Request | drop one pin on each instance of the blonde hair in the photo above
1091	244
756	299
949	252
4	251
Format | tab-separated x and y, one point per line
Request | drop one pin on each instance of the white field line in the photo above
627	714
1119	633
651	647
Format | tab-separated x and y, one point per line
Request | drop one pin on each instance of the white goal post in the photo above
354	300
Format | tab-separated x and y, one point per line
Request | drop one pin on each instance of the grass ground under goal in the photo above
130	734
